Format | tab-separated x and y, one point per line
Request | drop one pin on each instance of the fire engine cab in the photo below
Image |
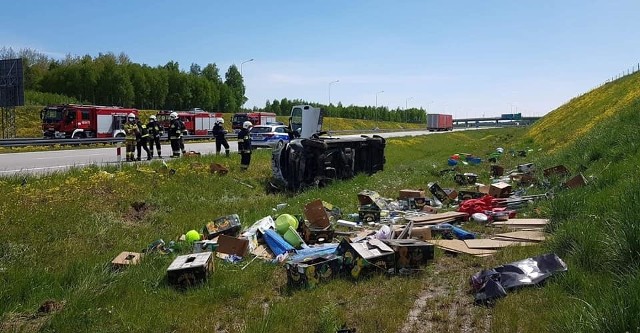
196	122
84	121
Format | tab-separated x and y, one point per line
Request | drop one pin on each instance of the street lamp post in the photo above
375	111
243	87
244	62
330	83
406	116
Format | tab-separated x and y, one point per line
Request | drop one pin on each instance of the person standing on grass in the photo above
155	132
244	145
220	134
130	131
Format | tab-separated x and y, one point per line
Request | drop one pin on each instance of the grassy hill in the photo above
596	228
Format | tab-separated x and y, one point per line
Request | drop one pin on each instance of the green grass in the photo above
62	230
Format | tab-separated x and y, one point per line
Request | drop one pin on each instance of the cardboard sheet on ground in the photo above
484	243
437	218
455	245
523	222
530	236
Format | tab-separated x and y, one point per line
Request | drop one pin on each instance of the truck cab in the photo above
306	121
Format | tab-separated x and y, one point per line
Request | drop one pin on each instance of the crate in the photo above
311	271
366	258
410	253
226	225
313	235
189	270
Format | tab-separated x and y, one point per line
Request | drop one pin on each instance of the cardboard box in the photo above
496	171
465	178
189	270
500	190
313	235
233	245
410	253
368	214
126	259
438	192
575	182
418	203
225	225
314	270
452	193
482	188
406	194
466	195
523	178
366	198
366	258
204	245
315	213
421	233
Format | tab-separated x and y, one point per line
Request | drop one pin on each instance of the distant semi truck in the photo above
439	122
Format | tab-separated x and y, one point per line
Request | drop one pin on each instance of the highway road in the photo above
43	162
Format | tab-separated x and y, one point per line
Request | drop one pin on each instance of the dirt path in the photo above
446	303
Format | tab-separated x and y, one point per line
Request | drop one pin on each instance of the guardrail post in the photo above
119	151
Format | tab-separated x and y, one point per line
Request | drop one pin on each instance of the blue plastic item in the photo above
452	162
276	243
459	232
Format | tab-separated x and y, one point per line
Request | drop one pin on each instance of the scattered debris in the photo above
494	283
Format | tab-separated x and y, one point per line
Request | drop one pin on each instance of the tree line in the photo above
110	79
413	115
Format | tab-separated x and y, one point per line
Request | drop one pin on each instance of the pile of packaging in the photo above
385	236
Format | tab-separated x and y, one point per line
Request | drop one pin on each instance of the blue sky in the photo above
466	58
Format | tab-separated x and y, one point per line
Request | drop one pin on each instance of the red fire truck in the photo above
256	118
84	121
196	122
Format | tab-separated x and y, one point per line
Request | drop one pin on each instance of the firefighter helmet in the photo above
131	116
247	124
152	117
173	115
220	121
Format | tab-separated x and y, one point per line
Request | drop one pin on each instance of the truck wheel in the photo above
78	136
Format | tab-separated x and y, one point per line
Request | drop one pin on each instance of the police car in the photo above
268	136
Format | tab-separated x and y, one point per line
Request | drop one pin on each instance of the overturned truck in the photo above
307	162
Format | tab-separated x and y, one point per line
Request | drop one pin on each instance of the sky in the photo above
468	58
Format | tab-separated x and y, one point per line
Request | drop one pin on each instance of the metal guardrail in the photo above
25	142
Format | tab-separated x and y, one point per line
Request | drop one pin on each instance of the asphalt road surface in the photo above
59	160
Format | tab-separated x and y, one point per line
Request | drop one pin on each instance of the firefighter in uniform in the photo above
244	145
220	134
175	133
183	131
130	131
155	132
142	136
